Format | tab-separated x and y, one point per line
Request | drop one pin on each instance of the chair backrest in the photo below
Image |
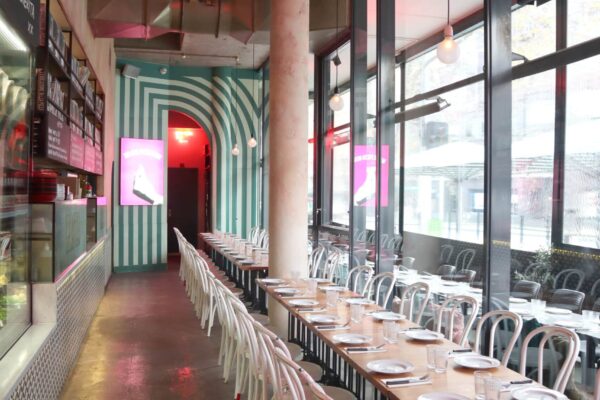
352	280
499	316
407	262
533	266
446	251
373	287
526	289
596	305
446	270
569	279
290	385
464	259
548	333
332	263
410	298
450	307
313	387
465	275
568	299
317	258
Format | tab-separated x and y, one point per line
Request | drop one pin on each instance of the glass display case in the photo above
15	104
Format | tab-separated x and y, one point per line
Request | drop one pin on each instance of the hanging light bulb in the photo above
336	103
252	142
448	50
235	151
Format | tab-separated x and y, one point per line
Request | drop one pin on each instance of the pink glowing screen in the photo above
365	175
142	172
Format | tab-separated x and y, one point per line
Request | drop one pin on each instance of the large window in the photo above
582	155
340	198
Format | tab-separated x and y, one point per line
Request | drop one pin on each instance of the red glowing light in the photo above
183	136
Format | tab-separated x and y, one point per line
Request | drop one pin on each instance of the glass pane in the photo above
534	30
311	127
340	198
443	193
340	77
583	21
533	156
427	72
15	72
582	155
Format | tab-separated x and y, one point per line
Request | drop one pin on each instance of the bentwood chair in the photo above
568	299
316	260
569	279
499	316
356	275
549	333
446	251
412	295
526	290
446	270
451	308
464	259
464	275
382	282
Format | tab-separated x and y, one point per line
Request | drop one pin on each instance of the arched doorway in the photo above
188	180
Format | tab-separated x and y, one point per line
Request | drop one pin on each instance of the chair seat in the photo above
338	393
260	318
314	370
296	351
237	292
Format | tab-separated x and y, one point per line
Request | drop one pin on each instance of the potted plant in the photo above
542	272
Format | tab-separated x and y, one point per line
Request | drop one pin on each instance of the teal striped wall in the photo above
225	102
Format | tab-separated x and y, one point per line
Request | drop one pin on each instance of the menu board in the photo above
77	148
58	136
89	159
24	15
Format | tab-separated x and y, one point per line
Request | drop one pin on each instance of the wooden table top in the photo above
227	254
456	380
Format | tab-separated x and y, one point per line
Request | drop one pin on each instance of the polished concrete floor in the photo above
146	343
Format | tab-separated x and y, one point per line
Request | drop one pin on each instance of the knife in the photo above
404	381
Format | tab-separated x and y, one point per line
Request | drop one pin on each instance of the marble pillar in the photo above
288	143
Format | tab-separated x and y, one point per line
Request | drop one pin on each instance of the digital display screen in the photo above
142	172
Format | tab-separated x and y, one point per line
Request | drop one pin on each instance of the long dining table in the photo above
351	368
242	269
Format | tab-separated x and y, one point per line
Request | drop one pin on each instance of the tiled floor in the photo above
146	343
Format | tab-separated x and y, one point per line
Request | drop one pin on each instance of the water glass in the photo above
480	377
390	331
248	249
311	287
441	359
332	298
431	356
493	387
356	312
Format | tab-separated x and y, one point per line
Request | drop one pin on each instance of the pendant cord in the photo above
253	88
448	13
337	38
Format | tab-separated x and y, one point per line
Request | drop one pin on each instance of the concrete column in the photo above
288	145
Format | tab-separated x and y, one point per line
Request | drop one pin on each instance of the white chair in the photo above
316	259
450	307
551	332
375	284
332	263
464	259
355	274
573	276
499	315
446	251
411	295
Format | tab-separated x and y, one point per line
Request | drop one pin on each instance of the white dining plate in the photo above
424	335
285	290
557	311
537	393
517	300
360	300
475	290
390	366
450	283
322	318
442	396
352	338
387	316
303	303
476	361
273	281
569	324
335	288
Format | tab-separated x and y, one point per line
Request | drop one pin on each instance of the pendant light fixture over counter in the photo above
235	151
336	103
252	141
448	50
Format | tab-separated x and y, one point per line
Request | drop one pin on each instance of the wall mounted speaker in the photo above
130	71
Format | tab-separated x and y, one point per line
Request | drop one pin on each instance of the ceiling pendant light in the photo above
336	103
448	50
252	142
235	151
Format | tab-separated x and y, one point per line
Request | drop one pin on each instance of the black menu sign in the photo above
24	16
58	139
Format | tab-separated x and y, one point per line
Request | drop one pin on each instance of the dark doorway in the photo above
183	206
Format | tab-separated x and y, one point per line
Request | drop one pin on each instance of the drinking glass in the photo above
493	386
441	359
332	298
431	356
390	331
356	312
311	287
248	249
480	377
